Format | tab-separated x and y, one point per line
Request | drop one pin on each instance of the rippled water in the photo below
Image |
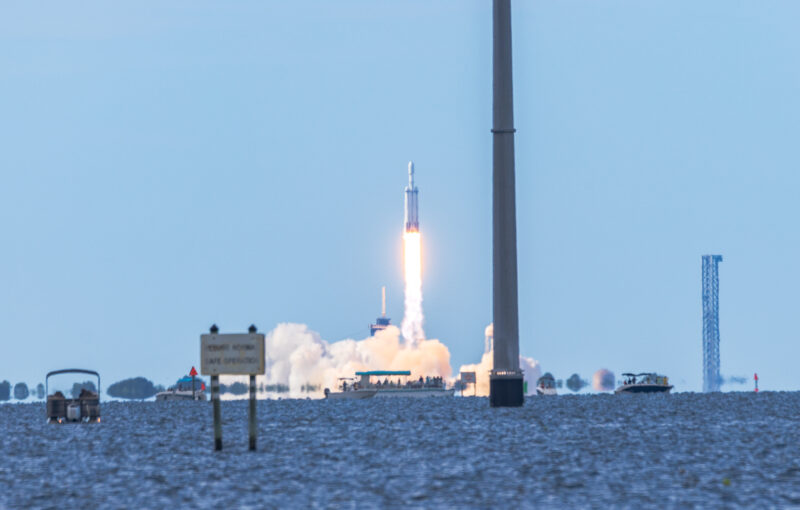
733	449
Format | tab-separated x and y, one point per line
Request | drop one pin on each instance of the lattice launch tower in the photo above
711	376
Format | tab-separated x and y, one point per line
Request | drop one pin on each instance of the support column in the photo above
252	415
506	377
217	413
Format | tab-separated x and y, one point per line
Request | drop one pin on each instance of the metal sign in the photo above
468	377
232	354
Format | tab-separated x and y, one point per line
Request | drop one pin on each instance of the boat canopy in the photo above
385	372
69	371
72	371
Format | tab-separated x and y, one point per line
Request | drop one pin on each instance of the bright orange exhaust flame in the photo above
412	257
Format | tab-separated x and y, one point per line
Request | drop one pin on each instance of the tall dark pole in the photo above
506	377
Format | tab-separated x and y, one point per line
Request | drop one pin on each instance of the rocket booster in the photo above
412	216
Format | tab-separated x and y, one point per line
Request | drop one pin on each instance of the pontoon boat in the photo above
83	408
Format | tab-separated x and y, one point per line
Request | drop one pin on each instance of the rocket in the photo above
412	213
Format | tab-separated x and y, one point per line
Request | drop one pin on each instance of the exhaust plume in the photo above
529	366
301	363
413	317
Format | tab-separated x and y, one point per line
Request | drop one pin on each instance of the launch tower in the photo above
711	377
383	321
505	379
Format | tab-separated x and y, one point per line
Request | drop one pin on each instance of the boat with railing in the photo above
83	407
646	382
395	383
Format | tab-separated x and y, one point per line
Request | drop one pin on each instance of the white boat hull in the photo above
173	395
546	391
391	393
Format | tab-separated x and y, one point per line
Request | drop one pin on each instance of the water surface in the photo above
682	450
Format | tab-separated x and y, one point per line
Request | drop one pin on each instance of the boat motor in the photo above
74	412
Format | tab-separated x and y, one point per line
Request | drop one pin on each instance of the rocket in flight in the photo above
412	216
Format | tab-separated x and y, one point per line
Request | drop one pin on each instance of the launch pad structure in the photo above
383	321
506	378
711	375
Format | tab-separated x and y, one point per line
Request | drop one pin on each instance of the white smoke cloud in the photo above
530	367
297	357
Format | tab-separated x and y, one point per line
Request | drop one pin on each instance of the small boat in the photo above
646	382
83	408
546	385
364	387
185	389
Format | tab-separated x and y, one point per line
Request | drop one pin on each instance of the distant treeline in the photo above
20	391
575	383
135	388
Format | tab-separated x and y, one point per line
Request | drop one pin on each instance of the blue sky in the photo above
167	165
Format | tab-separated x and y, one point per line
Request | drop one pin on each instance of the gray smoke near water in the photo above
603	380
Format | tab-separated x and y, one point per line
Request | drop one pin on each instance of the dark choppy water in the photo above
683	450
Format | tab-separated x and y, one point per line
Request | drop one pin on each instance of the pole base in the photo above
506	390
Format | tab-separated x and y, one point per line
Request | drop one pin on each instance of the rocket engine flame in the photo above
413	317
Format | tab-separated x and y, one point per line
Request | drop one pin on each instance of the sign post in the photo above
232	354
252	415
217	413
